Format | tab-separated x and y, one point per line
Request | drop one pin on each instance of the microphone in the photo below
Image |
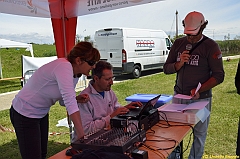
189	47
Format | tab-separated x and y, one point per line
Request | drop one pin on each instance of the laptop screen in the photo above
144	110
149	105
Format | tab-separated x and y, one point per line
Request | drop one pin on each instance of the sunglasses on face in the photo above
110	79
90	63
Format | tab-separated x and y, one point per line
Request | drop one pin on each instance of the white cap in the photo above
193	22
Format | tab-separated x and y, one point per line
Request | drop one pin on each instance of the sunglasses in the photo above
110	79
90	63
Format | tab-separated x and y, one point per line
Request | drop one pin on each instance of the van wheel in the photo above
136	72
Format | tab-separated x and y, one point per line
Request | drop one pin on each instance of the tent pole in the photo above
1	76
64	28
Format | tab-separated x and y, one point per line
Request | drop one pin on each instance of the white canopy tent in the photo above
13	44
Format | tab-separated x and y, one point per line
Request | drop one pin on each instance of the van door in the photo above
115	46
109	42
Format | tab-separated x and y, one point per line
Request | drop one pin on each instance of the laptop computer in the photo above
144	110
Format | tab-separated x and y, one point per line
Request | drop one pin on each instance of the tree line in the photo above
230	47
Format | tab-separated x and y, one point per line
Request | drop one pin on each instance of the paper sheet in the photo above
172	107
181	96
198	87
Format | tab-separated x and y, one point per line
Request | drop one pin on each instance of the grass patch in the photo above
11	61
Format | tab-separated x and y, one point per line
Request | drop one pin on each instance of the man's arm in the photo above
209	84
217	71
92	120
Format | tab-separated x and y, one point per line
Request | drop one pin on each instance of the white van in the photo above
132	50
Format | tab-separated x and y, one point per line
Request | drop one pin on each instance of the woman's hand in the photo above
82	98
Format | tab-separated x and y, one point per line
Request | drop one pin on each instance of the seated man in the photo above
103	103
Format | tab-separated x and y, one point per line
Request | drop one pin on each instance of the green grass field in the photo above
222	132
11	61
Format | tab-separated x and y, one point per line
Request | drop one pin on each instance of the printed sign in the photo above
107	34
72	8
145	43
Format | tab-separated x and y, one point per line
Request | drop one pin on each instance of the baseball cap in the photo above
193	22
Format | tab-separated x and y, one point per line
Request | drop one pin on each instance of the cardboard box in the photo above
144	98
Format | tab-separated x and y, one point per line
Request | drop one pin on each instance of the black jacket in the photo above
237	78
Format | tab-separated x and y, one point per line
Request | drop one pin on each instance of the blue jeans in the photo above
199	131
32	135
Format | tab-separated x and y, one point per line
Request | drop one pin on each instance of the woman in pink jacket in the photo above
54	81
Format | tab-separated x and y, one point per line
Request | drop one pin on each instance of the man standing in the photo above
196	59
103	103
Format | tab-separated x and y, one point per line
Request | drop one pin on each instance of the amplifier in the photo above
149	121
145	122
118	122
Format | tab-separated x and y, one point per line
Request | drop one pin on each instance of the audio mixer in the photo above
117	140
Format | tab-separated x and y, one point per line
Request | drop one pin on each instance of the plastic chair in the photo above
26	76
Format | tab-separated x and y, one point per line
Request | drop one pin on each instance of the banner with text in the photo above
69	8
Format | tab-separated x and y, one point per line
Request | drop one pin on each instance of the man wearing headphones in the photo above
195	59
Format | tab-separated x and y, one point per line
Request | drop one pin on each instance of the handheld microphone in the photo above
189	47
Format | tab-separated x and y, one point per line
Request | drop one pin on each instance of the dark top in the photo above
205	62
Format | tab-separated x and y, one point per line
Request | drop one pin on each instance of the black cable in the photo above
169	125
153	131
163	141
164	118
132	124
166	139
190	140
155	151
189	137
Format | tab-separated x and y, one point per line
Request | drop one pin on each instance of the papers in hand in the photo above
181	96
183	107
198	87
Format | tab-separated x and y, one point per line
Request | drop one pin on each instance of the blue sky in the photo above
223	17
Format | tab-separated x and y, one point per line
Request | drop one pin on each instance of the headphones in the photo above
204	24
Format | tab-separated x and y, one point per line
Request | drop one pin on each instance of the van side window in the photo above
168	43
